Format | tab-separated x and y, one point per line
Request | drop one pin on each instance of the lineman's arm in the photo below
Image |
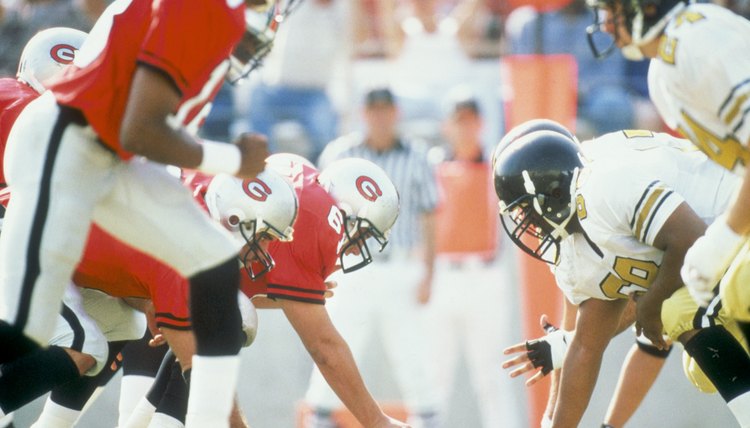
570	312
530	356
597	323
145	129
679	232
331	354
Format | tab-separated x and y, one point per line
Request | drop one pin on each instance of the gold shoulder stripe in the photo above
646	210
736	108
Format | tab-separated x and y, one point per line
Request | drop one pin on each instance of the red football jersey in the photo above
301	267
303	264
14	96
188	42
119	270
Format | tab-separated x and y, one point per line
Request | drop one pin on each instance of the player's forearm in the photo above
337	365
568	323
738	217
579	374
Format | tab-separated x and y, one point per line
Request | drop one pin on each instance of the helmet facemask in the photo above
253	254
525	216
356	236
261	25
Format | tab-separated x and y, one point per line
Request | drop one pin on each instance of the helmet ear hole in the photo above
233	220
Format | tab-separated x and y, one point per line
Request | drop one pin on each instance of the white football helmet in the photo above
264	207
286	163
368	201
46	53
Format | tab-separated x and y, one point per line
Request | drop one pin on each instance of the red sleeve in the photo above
187	54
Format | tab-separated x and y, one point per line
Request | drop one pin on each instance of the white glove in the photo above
249	318
708	259
548	352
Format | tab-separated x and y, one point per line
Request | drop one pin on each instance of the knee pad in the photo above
695	375
723	360
249	318
214	310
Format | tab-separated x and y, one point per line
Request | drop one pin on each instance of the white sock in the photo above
141	415
160	420
56	416
213	381
740	408
5	420
132	389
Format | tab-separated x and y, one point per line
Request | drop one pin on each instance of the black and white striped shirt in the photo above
407	166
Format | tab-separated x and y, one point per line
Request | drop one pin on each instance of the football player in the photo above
337	215
712	112
614	217
644	361
91	148
78	345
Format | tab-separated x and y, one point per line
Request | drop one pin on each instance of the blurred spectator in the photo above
469	280
431	43
21	19
312	48
606	95
389	298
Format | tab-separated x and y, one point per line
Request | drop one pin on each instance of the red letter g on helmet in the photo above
368	188
256	189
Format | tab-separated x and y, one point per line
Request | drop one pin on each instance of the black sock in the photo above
141	359
175	399
722	359
28	378
216	319
15	343
162	379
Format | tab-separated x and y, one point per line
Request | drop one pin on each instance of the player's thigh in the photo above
117	320
76	330
735	287
680	314
151	210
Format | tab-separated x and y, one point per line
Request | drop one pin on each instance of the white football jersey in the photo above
632	181
700	82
